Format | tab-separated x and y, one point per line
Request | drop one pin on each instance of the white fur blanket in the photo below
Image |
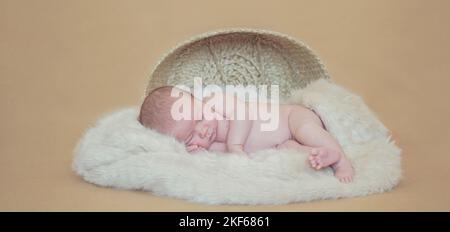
119	152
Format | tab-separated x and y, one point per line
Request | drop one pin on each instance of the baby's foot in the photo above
323	157
343	170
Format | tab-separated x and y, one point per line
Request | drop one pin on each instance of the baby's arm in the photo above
239	127
218	146
237	135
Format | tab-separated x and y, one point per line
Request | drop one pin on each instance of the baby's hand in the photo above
195	148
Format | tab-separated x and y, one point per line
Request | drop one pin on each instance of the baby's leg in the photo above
294	145
307	129
319	157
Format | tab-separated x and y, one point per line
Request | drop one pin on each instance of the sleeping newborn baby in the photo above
208	127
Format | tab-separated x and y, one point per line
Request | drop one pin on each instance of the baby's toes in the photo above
313	163
319	163
346	179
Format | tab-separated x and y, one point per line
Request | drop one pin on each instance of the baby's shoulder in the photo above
296	108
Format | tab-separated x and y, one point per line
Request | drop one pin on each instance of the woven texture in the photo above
240	56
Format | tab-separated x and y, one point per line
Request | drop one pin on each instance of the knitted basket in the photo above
240	56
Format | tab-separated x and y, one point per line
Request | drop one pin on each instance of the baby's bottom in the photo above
311	137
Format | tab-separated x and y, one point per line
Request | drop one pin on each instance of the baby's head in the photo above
156	113
155	110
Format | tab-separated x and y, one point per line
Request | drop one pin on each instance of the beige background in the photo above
63	64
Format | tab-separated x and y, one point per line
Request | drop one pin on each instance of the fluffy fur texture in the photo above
119	152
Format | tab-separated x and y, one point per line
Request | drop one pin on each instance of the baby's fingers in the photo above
191	148
200	149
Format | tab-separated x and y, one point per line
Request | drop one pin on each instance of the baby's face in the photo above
202	133
196	132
